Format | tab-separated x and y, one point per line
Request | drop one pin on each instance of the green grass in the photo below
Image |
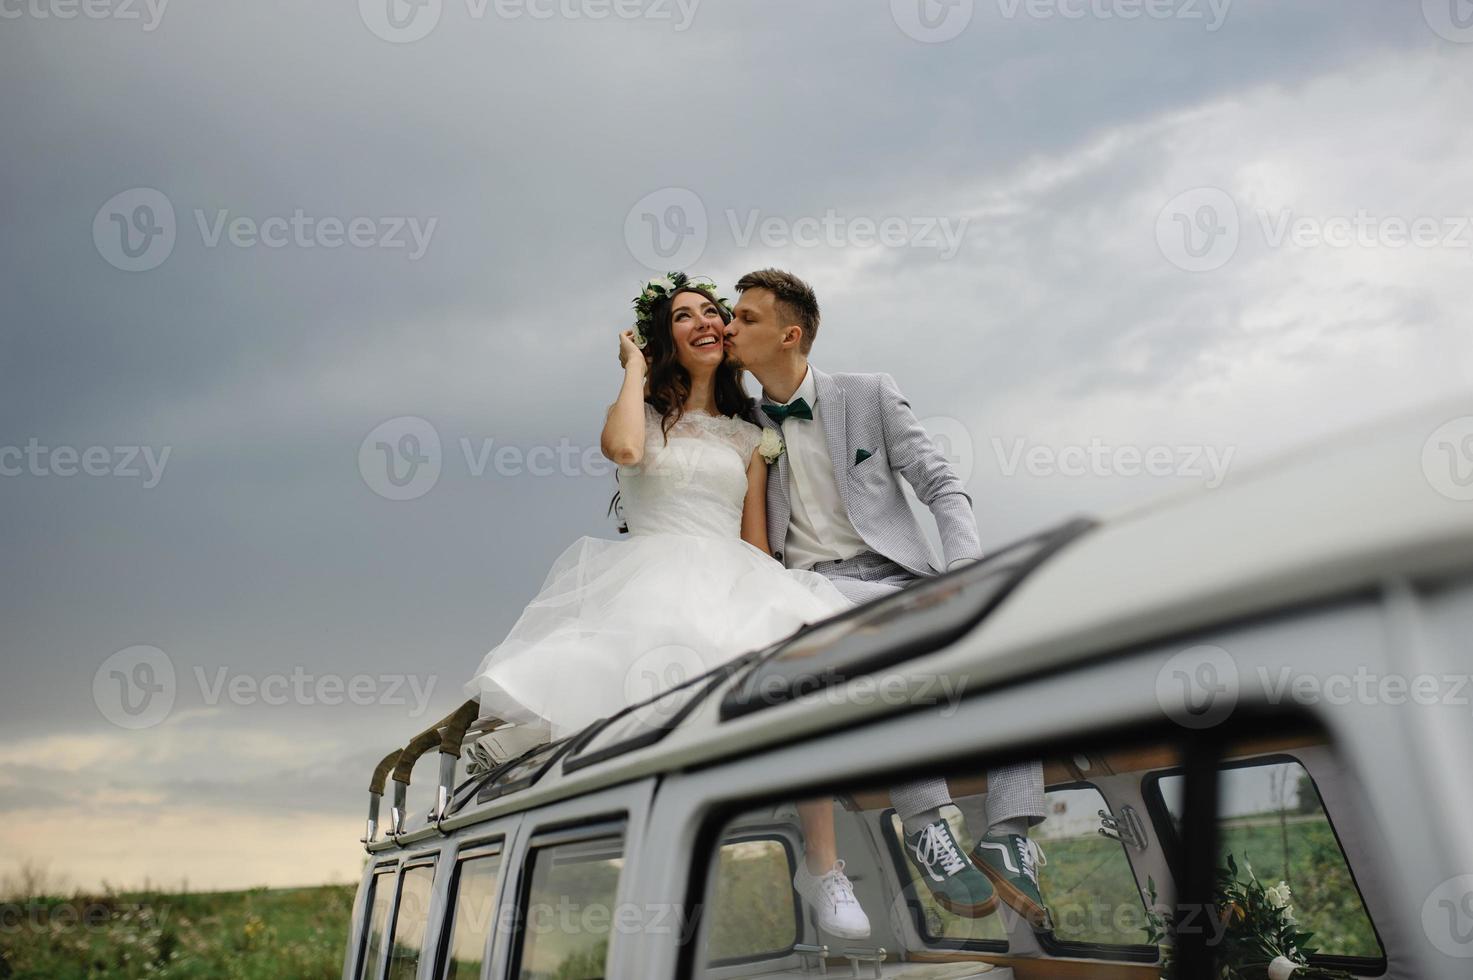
1324	899
1089	888
299	933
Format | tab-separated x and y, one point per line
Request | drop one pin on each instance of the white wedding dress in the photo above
618	621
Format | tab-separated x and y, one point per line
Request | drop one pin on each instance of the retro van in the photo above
1251	705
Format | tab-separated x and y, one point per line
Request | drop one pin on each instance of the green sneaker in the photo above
955	884
1011	862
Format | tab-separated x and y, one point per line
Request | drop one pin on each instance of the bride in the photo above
694	585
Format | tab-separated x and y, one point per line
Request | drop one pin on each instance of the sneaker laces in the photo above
837	888
936	843
1030	857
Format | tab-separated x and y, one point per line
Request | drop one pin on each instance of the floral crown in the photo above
665	288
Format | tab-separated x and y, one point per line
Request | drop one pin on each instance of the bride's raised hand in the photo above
624	435
629	351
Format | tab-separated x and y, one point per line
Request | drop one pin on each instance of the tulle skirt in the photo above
616	622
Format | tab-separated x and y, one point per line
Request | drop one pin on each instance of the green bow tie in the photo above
796	409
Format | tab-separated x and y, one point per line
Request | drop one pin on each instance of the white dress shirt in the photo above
819	528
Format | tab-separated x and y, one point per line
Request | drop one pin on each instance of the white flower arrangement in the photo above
771	446
662	288
1278	895
1258	933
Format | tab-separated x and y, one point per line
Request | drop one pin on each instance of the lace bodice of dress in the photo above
695	483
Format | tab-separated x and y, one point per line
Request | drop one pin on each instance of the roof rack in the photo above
449	733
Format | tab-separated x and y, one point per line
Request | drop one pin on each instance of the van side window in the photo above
1271	818
845	885
1036	867
473	897
754	914
1087	883
381	898
1086	880
407	947
569	911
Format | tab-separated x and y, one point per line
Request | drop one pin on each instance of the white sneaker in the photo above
832	897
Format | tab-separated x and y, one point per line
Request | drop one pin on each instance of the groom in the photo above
835	506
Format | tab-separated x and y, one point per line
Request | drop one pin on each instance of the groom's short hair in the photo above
794	298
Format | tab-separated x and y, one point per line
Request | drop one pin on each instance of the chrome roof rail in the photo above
449	734
376	794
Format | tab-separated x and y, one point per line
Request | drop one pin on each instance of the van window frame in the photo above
713	816
385	869
470	851
756	835
604	826
413	862
1164	825
1074	949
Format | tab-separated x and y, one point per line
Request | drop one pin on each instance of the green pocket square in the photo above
861	456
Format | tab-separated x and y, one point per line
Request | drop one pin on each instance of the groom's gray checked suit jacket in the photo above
866	414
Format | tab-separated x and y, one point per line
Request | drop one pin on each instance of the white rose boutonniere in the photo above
771	446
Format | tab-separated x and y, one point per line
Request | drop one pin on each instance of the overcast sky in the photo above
246	244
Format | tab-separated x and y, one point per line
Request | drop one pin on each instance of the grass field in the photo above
253	935
1325	897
